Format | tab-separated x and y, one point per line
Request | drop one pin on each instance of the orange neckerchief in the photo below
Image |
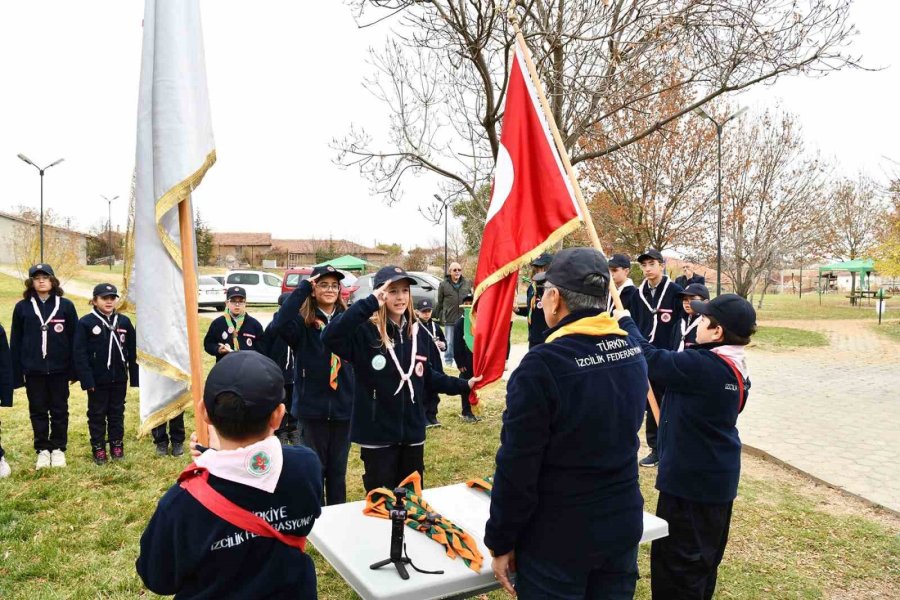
485	484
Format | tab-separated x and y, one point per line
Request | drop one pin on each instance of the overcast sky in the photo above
284	78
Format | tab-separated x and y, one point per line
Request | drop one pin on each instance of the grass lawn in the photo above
887	328
74	532
785	338
834	306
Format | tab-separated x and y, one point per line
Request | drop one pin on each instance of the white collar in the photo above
737	354
257	465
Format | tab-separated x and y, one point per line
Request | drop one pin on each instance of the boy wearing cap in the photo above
620	270
534	308
235	329
276	348
700	450
655	309
105	358
463	357
435	352
686	332
235	524
43	332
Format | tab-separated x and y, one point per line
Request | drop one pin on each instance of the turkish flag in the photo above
532	207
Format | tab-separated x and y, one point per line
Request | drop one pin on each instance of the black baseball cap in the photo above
543	260
235	291
326	270
468	297
622	261
731	311
424	304
252	376
582	270
653	254
105	289
390	274
695	289
41	268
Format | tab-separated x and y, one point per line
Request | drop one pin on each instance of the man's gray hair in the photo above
578	301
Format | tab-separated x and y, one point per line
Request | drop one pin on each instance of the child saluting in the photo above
234	330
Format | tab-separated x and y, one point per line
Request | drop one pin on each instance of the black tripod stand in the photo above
398	522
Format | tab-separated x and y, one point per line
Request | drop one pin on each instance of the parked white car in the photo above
211	293
262	287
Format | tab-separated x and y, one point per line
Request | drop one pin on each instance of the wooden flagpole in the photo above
564	156
191	308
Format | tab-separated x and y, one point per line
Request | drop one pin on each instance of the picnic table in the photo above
869	295
351	542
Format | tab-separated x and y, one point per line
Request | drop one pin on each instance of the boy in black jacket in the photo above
191	547
435	356
6	391
534	309
105	358
700	450
686	330
235	329
462	356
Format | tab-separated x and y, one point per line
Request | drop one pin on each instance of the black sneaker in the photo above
177	449
100	456
117	450
470	418
162	448
651	460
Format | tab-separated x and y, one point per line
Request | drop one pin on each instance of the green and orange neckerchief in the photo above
335	366
234	326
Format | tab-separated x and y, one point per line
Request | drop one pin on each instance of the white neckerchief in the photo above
406	377
653	310
610	305
432	332
113	337
287	362
44	326
686	329
737	354
257	465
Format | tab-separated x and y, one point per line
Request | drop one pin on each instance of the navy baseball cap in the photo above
326	270
622	261
235	291
543	260
41	268
651	254
424	304
731	311
695	289
252	376
582	270
105	289
390	274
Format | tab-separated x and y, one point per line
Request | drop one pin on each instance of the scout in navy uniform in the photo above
700	450
436	350
43	331
619	270
534	309
566	507
656	310
6	392
267	495
323	395
462	355
235	329
274	346
389	352
105	358
686	332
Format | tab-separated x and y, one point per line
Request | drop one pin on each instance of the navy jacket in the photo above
25	339
91	352
684	281
6	374
626	294
699	446
690	339
381	416
281	354
435	355
667	317
313	396
462	354
566	485
537	323
188	551
250	337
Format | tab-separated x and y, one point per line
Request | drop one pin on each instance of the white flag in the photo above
175	148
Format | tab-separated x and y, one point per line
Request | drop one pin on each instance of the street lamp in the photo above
719	127
444	203
41	171
112	256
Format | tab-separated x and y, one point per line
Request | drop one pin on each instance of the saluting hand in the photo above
503	566
382	294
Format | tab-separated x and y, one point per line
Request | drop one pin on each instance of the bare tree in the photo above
443	73
858	211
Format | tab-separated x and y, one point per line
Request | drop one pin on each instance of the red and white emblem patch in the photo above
420	369
58	328
665	317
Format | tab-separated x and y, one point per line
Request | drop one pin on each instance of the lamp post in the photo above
719	127
41	171
112	256
444	203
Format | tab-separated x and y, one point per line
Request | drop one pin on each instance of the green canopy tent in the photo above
347	262
864	266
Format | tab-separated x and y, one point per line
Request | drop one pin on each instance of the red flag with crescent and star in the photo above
532	207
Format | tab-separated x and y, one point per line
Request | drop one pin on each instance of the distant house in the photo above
241	247
11	230
231	249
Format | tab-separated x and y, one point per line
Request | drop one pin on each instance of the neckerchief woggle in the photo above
234	325
113	338
686	330
407	376
610	305
43	323
653	311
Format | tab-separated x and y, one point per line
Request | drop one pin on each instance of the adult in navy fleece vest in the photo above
389	352
655	309
534	308
190	551
424	311
235	329
566	506
6	392
281	353
699	446
323	392
105	359
43	332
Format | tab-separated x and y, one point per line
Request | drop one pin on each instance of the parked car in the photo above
211	293
425	287
262	287
220	279
294	275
